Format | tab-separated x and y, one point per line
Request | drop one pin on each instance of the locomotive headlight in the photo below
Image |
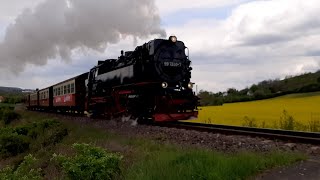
173	39
164	85
190	85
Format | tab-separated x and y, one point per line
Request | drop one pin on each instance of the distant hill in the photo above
308	82
9	90
13	95
14	90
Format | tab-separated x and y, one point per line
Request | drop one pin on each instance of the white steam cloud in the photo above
57	27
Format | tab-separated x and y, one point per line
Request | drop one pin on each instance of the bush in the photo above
90	163
6	107
309	88
249	122
17	140
52	132
38	128
24	171
54	136
287	121
44	133
8	116
314	125
12	143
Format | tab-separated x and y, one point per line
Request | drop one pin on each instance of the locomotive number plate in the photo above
172	64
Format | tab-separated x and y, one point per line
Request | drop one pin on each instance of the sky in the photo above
232	43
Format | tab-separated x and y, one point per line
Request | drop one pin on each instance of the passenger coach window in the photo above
65	90
68	89
72	88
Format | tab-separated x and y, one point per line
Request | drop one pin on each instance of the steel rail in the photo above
273	134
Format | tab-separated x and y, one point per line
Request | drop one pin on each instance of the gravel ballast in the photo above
215	141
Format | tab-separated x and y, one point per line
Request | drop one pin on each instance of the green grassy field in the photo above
304	108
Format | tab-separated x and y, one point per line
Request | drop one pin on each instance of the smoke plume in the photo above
57	27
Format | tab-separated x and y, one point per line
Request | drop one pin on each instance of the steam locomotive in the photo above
151	83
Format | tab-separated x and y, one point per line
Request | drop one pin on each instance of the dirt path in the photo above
306	170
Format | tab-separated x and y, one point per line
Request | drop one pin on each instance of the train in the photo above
151	84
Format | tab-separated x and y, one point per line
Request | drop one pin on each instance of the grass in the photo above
201	164
147	159
304	108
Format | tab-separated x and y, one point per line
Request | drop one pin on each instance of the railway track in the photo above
272	134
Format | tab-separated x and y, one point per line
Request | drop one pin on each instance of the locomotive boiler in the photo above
151	83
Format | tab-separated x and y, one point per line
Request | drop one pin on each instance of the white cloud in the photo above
54	29
263	22
9	10
259	40
57	70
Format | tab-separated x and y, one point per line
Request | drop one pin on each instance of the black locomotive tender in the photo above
151	83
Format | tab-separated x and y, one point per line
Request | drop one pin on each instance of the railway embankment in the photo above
143	151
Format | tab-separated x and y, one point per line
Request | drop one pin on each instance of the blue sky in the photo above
183	16
2	30
233	43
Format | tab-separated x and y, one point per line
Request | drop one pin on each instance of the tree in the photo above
232	91
205	97
253	88
259	94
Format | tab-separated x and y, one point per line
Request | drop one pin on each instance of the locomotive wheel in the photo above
144	119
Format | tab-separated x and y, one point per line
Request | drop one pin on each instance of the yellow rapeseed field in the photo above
303	107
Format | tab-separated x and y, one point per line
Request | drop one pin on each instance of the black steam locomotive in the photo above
151	83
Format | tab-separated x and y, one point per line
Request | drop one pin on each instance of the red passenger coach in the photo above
70	94
33	102
45	98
